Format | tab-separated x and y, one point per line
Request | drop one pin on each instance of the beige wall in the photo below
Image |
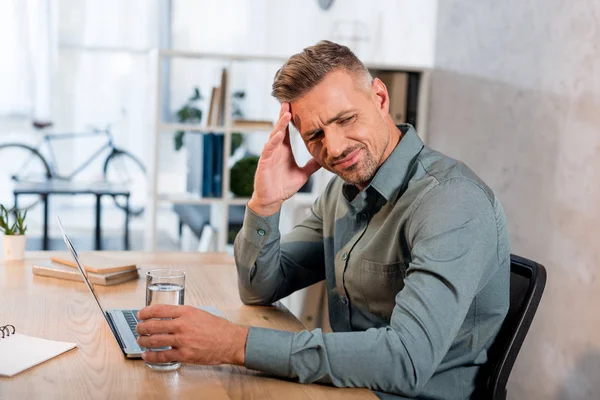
516	95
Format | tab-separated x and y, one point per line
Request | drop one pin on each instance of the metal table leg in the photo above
127	222
45	241
98	233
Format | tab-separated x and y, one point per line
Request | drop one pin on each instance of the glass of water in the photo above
164	286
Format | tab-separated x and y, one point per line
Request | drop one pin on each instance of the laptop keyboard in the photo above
132	320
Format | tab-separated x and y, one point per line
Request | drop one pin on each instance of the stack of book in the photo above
100	270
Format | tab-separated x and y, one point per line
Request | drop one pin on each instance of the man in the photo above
412	244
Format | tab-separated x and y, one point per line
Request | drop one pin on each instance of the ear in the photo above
380	96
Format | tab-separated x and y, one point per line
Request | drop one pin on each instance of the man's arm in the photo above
453	236
268	271
270	268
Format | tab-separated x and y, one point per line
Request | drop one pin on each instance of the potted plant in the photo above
242	176
14	234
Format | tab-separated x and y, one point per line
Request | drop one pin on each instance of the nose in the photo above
334	144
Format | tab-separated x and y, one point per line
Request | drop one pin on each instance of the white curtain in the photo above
103	76
29	47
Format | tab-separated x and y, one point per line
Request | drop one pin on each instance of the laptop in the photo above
122	323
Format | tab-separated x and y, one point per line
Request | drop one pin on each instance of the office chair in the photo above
527	282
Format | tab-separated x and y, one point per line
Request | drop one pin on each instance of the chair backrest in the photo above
527	282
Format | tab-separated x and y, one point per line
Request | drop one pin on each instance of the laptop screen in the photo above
81	270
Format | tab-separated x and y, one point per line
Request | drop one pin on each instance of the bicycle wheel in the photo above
20	163
124	168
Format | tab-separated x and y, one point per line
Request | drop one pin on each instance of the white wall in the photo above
516	95
396	31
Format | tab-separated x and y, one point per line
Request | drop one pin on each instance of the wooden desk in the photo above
64	310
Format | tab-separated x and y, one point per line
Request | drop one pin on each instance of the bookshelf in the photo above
219	215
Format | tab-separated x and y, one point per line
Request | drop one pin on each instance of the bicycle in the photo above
21	162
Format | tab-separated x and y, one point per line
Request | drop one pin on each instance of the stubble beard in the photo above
361	172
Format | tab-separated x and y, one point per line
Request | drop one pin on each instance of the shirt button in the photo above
344	300
261	232
344	256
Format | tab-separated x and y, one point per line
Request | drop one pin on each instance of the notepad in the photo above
20	352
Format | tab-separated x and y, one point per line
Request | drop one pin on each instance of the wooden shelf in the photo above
188	198
224	57
200	128
172	127
241	201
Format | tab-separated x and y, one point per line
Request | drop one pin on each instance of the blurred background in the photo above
168	102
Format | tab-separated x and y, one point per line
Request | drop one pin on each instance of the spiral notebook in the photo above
19	352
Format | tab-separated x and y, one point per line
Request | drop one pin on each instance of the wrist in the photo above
238	345
264	210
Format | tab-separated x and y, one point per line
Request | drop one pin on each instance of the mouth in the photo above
348	161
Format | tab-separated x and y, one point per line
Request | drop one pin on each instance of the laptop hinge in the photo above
113	328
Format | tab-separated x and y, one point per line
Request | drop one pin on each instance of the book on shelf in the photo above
397	86
207	164
222	99
212	164
217	178
412	102
252	124
213	109
61	271
94	263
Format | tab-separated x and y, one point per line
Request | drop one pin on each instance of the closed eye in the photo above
314	136
346	120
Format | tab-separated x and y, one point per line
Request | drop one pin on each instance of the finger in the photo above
286	138
271	145
311	167
161	356
157	341
285	107
153	326
159	311
283	122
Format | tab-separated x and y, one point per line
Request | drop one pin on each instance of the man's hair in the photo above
303	71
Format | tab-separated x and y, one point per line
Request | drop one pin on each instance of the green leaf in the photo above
178	140
196	95
21	228
236	141
195	114
13	229
4	220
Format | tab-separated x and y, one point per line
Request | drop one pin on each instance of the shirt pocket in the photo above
379	284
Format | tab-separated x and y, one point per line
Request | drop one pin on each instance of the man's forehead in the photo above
326	117
336	95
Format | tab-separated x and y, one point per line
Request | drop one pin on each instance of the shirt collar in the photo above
390	177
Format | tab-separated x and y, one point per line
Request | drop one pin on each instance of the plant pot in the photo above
14	247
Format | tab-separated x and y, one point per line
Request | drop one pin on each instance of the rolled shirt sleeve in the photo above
270	268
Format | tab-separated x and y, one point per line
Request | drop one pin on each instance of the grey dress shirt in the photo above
417	268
